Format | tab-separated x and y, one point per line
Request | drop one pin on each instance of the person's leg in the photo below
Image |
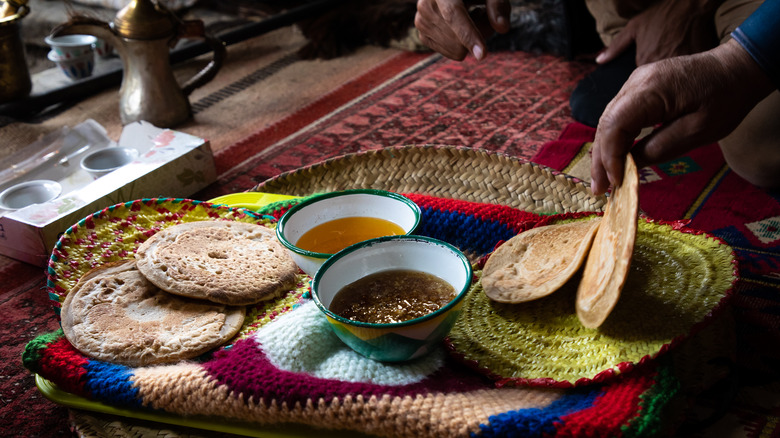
595	90
753	149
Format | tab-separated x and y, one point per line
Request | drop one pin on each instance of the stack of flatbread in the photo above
538	262
182	295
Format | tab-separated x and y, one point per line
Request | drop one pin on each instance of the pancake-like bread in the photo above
226	262
115	314
610	256
537	262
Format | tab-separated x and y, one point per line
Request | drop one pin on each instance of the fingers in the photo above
599	182
499	12
445	26
622	41
623	119
610	147
641	103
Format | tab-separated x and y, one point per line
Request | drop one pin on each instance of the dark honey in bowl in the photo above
333	236
392	296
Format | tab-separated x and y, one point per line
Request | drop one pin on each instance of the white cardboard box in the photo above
170	164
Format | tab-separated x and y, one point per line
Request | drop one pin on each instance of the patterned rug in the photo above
512	103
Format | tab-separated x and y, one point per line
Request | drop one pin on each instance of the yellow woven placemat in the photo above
678	280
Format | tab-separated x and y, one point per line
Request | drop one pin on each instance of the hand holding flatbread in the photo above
537	262
610	255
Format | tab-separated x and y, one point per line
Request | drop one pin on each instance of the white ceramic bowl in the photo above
75	68
349	203
399	341
71	46
106	160
28	193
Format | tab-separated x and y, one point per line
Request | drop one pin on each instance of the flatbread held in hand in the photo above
116	315
537	262
610	256
225	262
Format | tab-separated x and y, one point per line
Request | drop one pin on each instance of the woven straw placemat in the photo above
445	172
115	232
680	280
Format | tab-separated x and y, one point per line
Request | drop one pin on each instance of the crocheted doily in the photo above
678	279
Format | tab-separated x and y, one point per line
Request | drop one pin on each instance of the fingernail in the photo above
477	51
501	21
601	57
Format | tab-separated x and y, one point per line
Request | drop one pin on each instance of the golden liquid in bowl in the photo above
333	236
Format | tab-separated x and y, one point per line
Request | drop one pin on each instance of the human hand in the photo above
690	100
448	27
665	29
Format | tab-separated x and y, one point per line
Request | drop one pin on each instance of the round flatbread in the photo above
537	262
115	314
226	262
610	255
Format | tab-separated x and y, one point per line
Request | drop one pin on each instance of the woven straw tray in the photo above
446	172
439	171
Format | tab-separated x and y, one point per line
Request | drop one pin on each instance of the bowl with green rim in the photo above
343	218
405	339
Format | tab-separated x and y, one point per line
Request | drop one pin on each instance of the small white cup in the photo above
71	46
28	193
75	68
107	160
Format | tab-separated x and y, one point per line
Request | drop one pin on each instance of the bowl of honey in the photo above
318	227
393	298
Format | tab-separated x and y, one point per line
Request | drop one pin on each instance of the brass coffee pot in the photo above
15	81
142	34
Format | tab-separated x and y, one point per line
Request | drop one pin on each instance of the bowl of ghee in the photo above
322	225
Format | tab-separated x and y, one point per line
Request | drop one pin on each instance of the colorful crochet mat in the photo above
287	366
677	280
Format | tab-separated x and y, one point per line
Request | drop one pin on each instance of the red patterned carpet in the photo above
514	103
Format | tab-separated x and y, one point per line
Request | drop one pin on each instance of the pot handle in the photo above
196	29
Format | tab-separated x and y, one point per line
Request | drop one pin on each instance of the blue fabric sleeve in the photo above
760	36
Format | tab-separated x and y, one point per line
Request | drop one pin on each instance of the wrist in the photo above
744	69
